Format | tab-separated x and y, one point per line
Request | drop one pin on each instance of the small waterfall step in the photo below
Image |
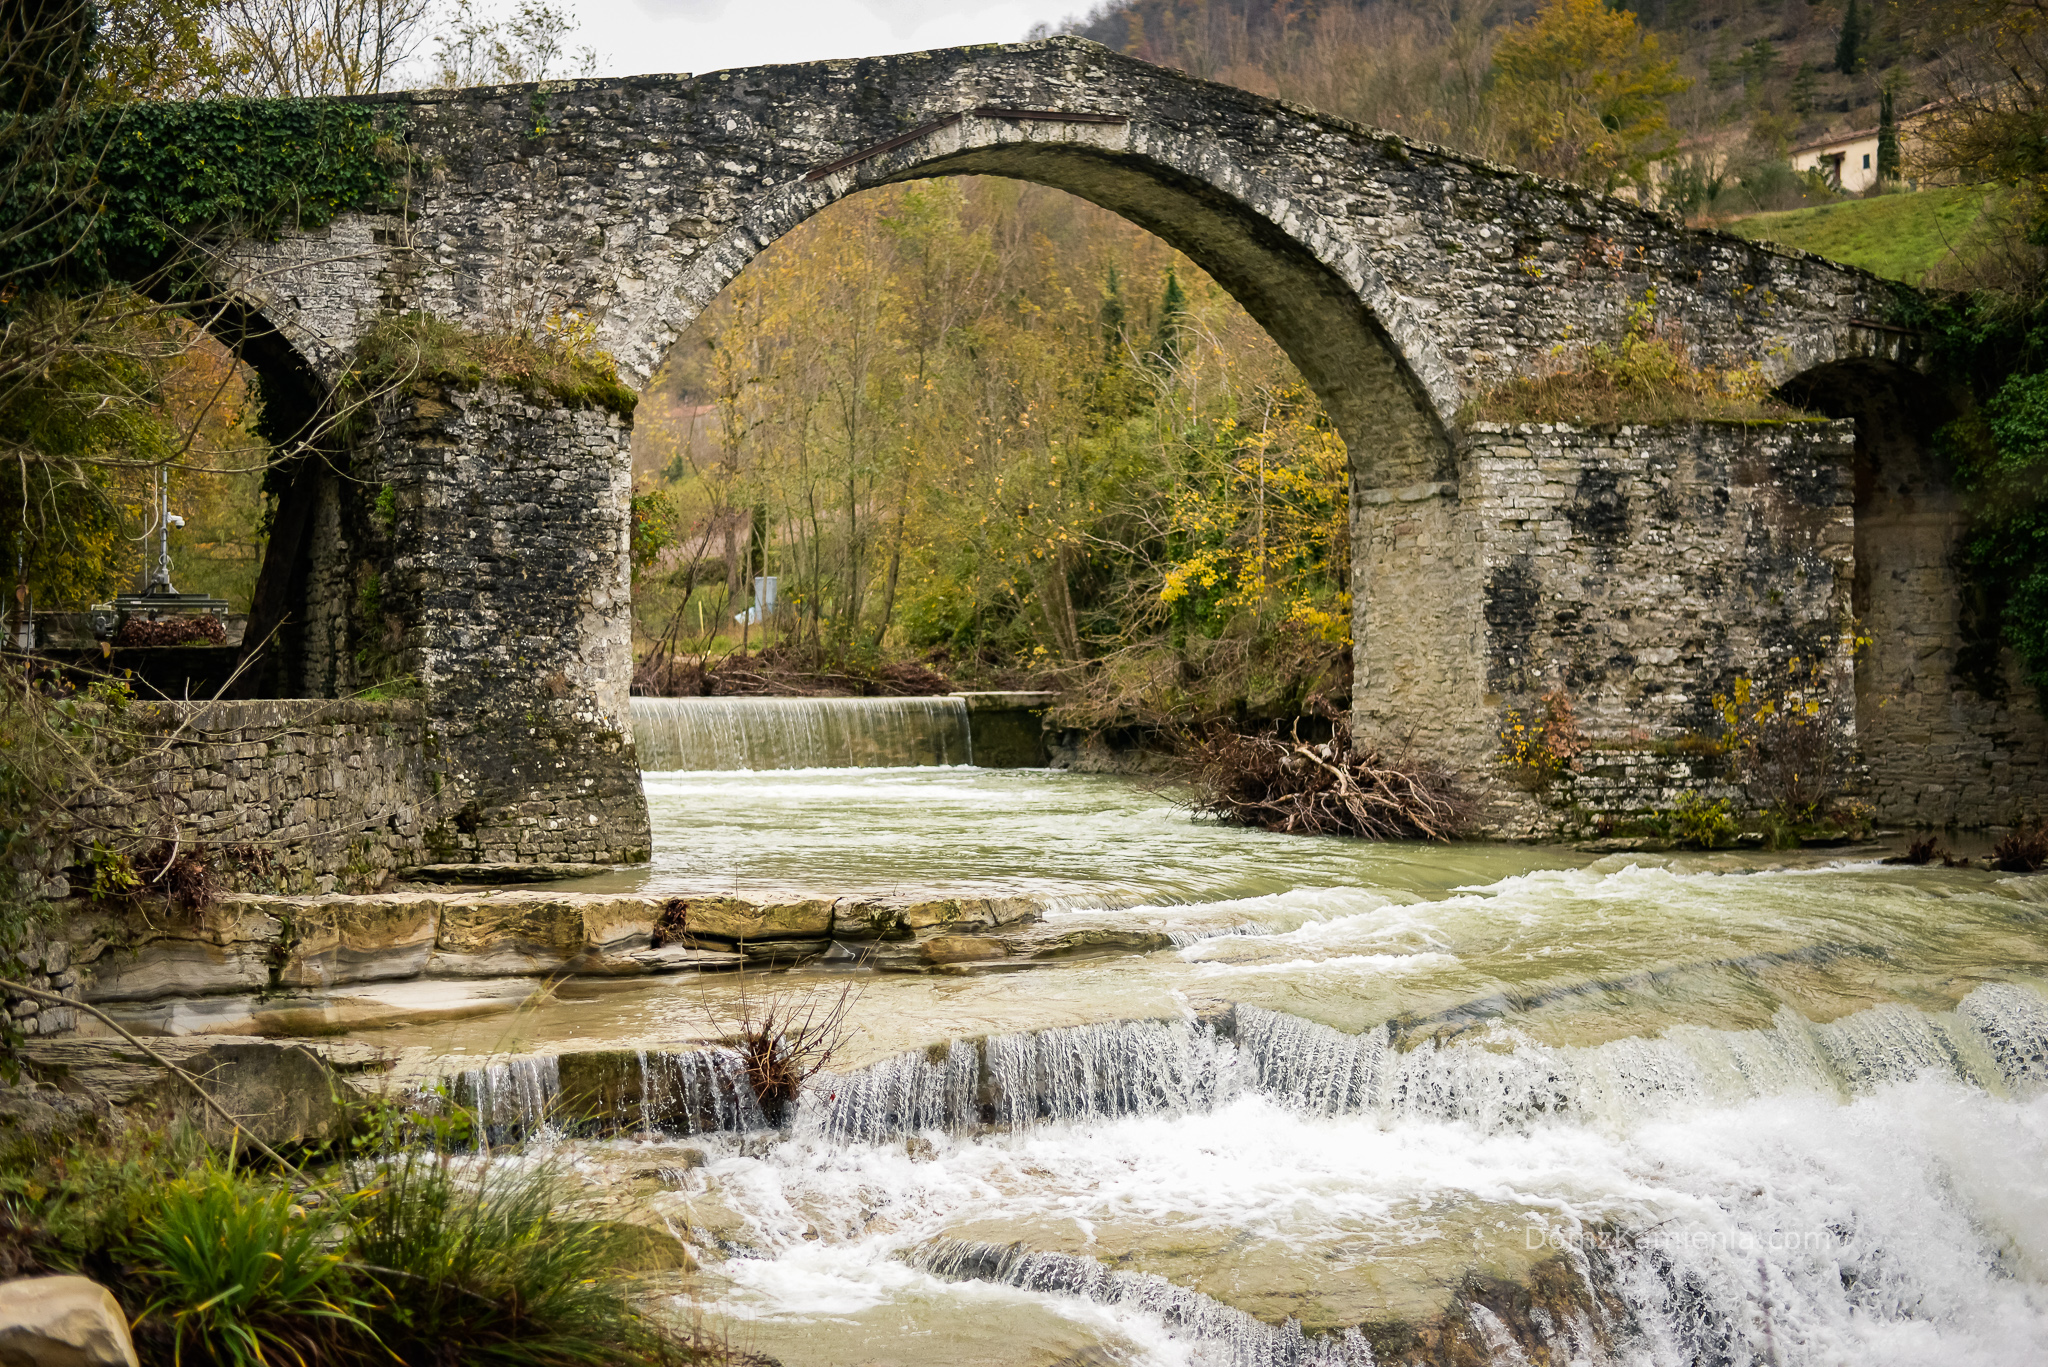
993	730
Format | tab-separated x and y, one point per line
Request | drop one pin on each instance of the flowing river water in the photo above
1561	1108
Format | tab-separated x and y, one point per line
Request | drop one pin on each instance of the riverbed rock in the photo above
281	1093
328	941
769	918
783	953
136	955
62	1322
954	949
531	932
1043	942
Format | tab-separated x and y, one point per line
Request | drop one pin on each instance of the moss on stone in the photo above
409	347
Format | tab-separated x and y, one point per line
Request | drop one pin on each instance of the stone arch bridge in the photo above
1637	570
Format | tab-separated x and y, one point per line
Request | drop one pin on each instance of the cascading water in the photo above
1244	1341
690	1093
800	733
1744	1197
512	1095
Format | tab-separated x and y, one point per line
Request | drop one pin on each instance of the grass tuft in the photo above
1648	377
562	363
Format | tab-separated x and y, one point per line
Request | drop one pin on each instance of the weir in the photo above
800	733
992	730
1996	1039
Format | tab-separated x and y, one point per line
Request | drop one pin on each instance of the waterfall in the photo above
1079	1072
691	1093
1091	1072
800	733
930	1090
1997	1039
515	1095
1234	1337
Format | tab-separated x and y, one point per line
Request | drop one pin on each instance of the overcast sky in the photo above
633	37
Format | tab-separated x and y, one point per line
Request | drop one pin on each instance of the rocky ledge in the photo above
272	965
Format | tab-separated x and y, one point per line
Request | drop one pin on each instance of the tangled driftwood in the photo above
1322	787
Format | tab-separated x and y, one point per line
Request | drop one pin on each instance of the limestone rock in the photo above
283	1093
736	919
953	949
339	940
530	932
62	1322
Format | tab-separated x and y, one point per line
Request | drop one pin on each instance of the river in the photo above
1541	1104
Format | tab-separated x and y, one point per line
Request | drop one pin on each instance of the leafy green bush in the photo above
1998	349
1697	822
423	1260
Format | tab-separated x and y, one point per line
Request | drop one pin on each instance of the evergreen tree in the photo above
1888	168
1111	315
1173	318
1850	45
1804	87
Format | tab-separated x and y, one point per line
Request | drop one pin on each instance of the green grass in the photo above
1899	236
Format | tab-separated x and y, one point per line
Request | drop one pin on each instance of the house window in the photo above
1866	161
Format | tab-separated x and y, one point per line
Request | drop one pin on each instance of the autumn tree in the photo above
1581	93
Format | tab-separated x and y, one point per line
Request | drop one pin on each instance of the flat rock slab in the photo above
500	873
270	965
281	1093
372	1006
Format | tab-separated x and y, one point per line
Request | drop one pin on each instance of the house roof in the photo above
1861	134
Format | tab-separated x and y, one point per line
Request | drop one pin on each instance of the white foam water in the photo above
1872	1190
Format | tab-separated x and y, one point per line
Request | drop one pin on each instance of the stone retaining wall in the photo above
294	794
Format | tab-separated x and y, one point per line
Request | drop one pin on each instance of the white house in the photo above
1848	160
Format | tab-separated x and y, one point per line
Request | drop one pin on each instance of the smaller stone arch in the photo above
1950	731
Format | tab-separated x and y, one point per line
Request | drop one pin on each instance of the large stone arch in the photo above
1325	306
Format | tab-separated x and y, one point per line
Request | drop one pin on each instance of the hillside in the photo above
1763	75
1902	237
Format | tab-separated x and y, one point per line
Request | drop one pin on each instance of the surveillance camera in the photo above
174	519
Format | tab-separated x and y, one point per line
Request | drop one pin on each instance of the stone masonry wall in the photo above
300	795
1643	570
1950	727
481	547
297	794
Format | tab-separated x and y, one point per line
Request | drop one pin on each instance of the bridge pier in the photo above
1629	574
473	547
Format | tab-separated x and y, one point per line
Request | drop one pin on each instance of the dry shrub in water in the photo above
2024	849
672	926
786	1039
1322	788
